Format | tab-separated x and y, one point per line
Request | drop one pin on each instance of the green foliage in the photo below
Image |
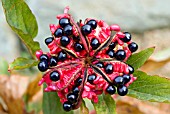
105	105
3	67
22	63
23	22
150	88
138	59
83	108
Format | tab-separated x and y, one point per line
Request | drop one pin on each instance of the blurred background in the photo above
147	20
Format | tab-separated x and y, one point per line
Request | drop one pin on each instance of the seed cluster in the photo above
85	60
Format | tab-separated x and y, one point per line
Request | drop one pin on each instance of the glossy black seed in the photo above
109	68
127	37
122	90
71	97
111	53
91	78
120	55
54	76
67	106
78	81
111	89
78	47
133	47
112	45
100	64
95	43
68	30
92	23
43	66
86	29
119	80
44	57
64	21
126	78
64	41
75	90
48	40
76	38
62	56
131	69
58	32
53	61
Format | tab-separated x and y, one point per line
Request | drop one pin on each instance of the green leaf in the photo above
23	22
3	67
138	59
83	108
52	104
150	88
22	63
105	105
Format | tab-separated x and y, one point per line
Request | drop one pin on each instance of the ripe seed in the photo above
126	78
92	23
111	89
127	37
54	76
91	78
78	47
44	57
100	64
43	65
109	69
122	90
58	32
67	106
95	43
62	56
119	80
75	90
48	40
68	30
86	29
64	41
133	47
78	81
111	53
131	69
76	38
112	45
120	55
71	97
63	22
53	61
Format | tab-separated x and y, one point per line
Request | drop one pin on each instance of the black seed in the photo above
78	47
95	43
111	89
126	78
64	41
109	69
120	55
64	21
133	47
67	106
44	57
76	38
75	90
111	53
78	81
53	61
68	30
71	97
100	64
122	90
86	29
54	76
127	37
112	45
62	56
91	78
43	66
58	32
131	69
92	23
48	40
119	80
